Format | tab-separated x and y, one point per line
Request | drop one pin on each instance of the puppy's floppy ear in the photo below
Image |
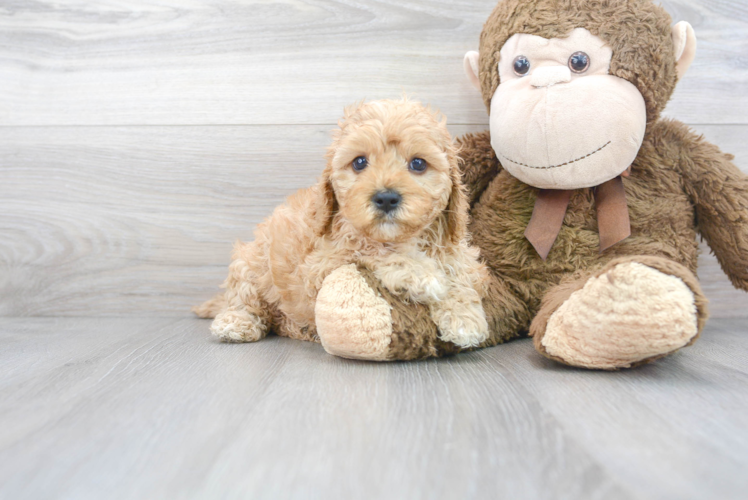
325	204
457	208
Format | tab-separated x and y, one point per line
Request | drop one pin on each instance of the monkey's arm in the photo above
719	192
479	164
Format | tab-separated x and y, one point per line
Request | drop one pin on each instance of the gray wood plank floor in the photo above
152	408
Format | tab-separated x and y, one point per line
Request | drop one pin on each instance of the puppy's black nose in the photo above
386	201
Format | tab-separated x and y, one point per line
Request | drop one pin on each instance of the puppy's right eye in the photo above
417	165
360	163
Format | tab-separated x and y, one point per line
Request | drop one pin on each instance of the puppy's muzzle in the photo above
386	201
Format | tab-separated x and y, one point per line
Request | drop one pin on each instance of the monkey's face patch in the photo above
559	120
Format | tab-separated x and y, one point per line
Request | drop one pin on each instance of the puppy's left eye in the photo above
360	163
417	165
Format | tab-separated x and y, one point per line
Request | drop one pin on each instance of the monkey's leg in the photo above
507	314
632	311
246	316
357	317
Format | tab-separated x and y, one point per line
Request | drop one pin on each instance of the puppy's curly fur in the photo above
418	250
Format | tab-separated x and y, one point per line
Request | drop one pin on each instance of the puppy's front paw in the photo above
238	326
421	281
463	324
433	290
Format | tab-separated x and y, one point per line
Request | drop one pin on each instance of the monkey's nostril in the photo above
386	201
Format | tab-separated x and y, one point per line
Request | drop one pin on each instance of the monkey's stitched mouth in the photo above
562	164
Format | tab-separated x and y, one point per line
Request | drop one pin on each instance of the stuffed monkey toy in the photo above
585	204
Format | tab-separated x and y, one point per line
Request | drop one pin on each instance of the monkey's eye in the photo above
521	65
360	163
579	62
417	165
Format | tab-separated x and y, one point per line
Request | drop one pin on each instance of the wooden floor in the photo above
153	408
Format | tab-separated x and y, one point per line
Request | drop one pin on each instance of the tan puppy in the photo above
390	199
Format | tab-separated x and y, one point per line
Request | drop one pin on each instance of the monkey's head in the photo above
571	85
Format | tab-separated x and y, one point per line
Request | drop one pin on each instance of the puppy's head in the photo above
392	172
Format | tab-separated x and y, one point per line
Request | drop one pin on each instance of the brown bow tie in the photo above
550	208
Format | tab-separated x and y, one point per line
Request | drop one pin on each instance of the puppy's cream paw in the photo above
464	325
433	290
234	326
420	281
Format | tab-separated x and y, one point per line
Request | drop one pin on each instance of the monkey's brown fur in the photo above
680	187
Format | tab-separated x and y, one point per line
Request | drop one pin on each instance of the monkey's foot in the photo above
625	316
352	320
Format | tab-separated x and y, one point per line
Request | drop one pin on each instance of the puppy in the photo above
390	199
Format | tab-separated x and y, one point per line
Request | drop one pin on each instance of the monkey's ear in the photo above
470	63
684	40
